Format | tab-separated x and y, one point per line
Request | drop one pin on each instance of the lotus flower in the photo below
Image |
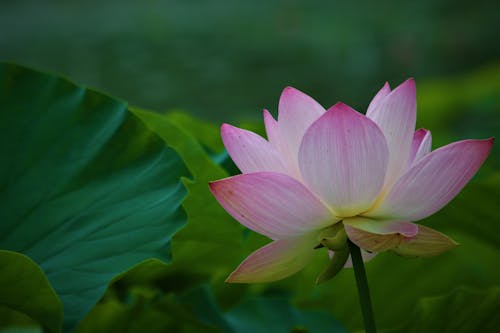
324	173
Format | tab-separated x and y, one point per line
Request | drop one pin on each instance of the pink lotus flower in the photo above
321	171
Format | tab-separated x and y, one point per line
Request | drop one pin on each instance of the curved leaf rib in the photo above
86	189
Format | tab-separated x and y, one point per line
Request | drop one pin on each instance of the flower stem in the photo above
363	291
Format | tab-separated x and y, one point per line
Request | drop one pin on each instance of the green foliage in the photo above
25	288
471	219
89	189
461	311
211	243
86	190
262	313
473	212
462	107
205	133
233	60
143	312
196	310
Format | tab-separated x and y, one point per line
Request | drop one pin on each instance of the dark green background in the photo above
223	61
226	60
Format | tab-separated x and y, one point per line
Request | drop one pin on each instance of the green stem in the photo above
363	291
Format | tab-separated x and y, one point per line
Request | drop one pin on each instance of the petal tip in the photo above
225	128
212	185
408	89
422	130
233	278
268	117
290	90
341	107
486	144
409	85
410	80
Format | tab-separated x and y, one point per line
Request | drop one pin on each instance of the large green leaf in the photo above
211	243
207	134
86	190
461	311
25	288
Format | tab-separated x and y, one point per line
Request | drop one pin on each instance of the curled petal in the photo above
373	242
378	236
275	261
433	181
426	243
407	229
420	146
296	112
272	204
343	159
396	116
249	151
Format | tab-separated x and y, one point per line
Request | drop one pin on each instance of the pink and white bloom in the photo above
373	174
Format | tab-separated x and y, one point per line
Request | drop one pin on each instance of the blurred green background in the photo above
224	61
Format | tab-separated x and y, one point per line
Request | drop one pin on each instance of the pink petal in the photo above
296	112
420	146
272	204
426	243
249	151
343	159
276	140
396	116
433	181
377	100
275	261
272	130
